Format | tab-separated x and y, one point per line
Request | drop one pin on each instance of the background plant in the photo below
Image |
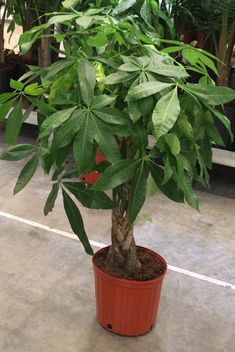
114	90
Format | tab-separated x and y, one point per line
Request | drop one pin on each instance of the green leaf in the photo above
116	174
146	12
83	147
214	135
212	95
148	218
58	67
16	85
70	3
54	121
89	198
138	191
189	194
146	89
14	123
166	113
5	108
194	57
129	67
105	140
225	121
118	77
61	155
146	106
140	137
168	70
18	152
87	81
168	171
186	128
98	40
123	6
43	107
27	39
134	111
102	100
170	188
84	21
60	19
111	116
173	142
151	186
33	89
50	202
26	174
172	49
66	132
4	97
76	222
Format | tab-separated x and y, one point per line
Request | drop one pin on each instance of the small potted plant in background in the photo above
29	14
113	91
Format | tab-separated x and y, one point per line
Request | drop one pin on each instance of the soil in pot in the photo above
150	267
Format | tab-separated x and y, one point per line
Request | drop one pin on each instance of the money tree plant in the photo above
118	90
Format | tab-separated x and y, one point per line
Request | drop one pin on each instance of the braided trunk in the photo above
123	252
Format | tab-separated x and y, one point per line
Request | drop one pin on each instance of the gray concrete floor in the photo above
46	280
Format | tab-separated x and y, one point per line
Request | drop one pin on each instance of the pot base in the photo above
127	307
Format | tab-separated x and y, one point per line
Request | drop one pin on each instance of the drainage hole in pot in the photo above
109	326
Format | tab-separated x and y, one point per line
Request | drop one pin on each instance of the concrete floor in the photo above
46	280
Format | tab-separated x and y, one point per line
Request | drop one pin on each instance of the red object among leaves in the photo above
93	176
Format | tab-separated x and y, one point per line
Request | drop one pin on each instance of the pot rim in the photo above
132	282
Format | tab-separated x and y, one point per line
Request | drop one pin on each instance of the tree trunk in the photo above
2	51
122	252
224	73
45	52
2	26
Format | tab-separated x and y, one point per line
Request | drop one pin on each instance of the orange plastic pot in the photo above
127	307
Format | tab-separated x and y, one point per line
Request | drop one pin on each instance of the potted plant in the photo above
113	91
